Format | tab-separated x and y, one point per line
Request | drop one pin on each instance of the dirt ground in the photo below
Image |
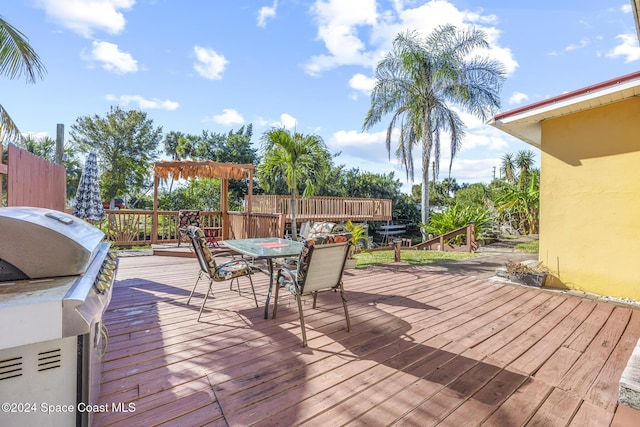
494	256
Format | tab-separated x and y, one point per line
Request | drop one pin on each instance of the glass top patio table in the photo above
267	248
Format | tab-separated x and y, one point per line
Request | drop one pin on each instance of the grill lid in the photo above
38	243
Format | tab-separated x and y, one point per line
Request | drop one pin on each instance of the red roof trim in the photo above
568	95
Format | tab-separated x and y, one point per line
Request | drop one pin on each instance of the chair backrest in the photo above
321	262
204	255
188	217
304	229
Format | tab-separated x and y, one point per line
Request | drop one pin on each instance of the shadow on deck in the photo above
426	348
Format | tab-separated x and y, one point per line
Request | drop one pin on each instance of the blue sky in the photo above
195	65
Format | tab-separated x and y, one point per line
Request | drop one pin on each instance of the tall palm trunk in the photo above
294	226
427	143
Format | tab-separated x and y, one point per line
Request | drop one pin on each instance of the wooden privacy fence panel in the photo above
244	225
34	181
324	208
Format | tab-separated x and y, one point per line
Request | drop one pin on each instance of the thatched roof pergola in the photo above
186	169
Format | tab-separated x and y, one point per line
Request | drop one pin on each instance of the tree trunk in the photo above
294	228
426	160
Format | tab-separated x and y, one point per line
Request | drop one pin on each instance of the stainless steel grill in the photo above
56	277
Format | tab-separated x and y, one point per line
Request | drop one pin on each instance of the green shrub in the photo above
456	217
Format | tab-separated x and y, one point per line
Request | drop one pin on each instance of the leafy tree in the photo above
201	193
301	160
126	143
417	80
473	196
371	185
234	147
17	57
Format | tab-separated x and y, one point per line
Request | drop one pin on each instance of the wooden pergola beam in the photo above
186	169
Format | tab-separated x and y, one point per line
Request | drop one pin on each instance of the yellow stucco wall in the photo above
590	199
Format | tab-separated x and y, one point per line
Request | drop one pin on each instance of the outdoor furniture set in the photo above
320	264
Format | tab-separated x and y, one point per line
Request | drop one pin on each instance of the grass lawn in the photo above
366	259
530	247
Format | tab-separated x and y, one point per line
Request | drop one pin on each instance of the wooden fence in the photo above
324	208
32	180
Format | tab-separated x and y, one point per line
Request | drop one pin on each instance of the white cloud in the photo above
583	43
518	97
344	138
626	8
358	33
144	103
265	13
112	58
628	48
362	83
286	121
209	64
338	23
86	16
229	117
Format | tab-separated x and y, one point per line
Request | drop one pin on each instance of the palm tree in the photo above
171	144
16	57
524	161
296	158
416	81
508	168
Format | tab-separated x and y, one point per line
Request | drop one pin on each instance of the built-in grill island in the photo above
56	277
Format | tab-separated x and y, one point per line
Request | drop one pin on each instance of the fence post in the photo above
396	250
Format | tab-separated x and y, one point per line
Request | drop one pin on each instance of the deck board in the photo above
426	348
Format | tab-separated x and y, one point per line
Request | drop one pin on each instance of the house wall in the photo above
590	199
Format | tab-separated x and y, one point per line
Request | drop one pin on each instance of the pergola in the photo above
185	169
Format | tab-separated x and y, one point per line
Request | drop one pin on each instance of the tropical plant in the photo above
17	57
415	83
456	217
359	237
520	206
298	159
126	143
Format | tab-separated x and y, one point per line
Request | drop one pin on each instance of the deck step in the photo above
630	381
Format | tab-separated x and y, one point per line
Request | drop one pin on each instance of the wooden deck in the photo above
426	348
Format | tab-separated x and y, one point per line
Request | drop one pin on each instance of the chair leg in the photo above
205	299
344	304
252	290
315	298
194	287
275	300
304	333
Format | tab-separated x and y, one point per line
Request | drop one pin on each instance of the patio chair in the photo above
230	270
185	219
320	267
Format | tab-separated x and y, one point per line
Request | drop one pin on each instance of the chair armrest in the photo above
225	253
237	261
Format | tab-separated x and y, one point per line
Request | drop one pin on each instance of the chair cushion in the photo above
286	281
228	270
188	217
321	227
233	269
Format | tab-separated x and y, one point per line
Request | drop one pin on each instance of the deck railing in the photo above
324	208
446	242
128	227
